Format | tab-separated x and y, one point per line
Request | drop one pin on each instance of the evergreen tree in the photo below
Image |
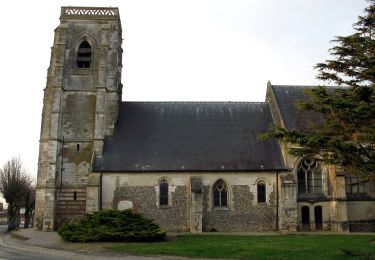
346	134
112	226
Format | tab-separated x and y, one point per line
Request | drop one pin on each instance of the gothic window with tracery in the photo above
84	55
220	194
309	177
163	192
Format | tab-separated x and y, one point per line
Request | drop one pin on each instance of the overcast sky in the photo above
191	50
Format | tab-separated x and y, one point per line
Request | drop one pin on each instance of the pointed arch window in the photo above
84	55
309	177
163	192
220	191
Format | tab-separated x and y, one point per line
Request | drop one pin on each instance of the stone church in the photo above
190	166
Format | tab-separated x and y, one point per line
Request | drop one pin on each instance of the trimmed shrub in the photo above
112	226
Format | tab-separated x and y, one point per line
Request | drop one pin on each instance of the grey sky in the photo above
194	50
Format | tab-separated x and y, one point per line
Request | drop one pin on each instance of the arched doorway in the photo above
305	218
318	213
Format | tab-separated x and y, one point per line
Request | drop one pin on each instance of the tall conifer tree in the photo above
346	134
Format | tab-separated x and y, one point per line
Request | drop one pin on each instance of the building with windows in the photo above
3	214
190	166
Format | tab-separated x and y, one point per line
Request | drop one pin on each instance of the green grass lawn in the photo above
259	247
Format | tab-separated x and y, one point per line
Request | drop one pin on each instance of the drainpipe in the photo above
62	162
277	201
100	190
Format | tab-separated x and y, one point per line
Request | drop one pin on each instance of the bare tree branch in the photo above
16	188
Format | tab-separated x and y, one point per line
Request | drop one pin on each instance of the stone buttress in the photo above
80	108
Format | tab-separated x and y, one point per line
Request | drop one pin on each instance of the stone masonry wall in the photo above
79	110
172	218
243	215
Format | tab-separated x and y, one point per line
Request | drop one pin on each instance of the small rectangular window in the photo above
354	185
163	200
261	188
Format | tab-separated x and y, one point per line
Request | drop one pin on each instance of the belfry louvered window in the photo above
84	55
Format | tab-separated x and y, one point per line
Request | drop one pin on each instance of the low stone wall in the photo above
362	226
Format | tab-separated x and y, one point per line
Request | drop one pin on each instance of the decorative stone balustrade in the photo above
69	11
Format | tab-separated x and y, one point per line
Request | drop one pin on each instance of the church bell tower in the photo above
80	108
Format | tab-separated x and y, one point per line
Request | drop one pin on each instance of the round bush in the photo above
111	226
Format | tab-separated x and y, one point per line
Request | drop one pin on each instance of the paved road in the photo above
48	245
8	253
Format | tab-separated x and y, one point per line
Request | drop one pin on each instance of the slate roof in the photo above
190	136
286	99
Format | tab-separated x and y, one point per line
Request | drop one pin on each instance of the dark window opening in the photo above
309	177
261	188
77	147
220	194
75	195
84	55
354	185
318	213
305	218
163	193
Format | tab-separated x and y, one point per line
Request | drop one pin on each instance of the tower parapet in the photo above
87	12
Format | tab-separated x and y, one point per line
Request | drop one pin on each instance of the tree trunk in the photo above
27	218
29	214
27	211
13	217
32	217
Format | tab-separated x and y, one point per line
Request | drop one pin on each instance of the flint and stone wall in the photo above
144	199
245	214
140	191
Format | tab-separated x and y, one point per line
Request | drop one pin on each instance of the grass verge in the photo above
259	247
